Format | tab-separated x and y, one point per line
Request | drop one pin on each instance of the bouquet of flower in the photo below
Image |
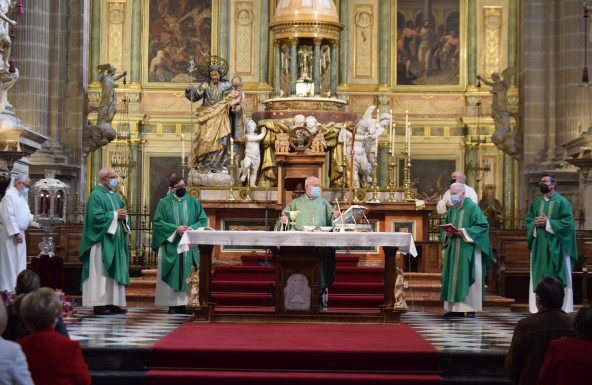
7	297
68	304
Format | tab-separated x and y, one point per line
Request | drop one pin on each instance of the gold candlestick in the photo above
343	197
392	178
374	198
407	175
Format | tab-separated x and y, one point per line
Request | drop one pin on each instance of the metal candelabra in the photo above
392	177
374	198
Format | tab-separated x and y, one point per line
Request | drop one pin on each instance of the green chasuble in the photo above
458	272
548	251
101	208
314	212
171	213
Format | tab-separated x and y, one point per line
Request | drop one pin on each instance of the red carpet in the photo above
223	353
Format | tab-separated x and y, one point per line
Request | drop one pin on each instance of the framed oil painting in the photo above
403	226
161	169
176	32
430	177
430	43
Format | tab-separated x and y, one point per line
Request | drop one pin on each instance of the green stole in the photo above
100	211
458	271
170	214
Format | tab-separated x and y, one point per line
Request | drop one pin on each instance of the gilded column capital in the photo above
317	41
294	41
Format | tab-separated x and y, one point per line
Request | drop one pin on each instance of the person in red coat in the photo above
53	359
568	360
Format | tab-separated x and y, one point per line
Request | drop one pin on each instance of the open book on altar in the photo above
449	228
355	214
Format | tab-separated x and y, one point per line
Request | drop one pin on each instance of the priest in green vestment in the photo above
314	211
467	255
104	252
551	240
175	214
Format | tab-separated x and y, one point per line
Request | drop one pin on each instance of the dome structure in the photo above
306	10
306	19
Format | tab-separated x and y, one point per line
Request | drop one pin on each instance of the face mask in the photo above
315	191
544	188
455	199
24	191
181	191
113	183
453	180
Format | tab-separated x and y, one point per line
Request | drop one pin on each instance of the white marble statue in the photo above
252	160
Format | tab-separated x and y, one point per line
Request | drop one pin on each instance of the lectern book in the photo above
449	228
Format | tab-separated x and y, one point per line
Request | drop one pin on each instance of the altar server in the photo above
15	217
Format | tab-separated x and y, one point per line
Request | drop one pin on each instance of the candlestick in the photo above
182	149
231	151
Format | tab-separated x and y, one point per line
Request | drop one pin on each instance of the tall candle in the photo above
393	138
231	151
406	126
409	140
391	131
182	148
377	117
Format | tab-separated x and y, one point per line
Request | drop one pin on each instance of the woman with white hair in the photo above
13	364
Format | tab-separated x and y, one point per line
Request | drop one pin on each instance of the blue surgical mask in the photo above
315	191
113	183
24	191
455	199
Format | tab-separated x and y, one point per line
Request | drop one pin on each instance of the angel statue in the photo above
193	282
400	286
503	138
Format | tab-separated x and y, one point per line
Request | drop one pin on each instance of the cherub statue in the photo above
282	143
193	282
400	286
319	144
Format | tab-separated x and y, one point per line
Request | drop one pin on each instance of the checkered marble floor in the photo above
140	327
488	332
143	327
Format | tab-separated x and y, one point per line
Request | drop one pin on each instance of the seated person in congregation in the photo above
52	358
26	282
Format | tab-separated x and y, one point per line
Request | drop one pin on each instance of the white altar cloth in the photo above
403	241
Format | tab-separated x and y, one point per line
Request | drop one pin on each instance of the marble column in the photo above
316	71
276	67
293	64
136	36
223	27
384	43
264	44
343	46
333	79
472	43
95	40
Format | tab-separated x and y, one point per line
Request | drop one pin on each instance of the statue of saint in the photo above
210	151
252	158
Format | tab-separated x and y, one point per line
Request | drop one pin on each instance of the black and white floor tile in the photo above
143	327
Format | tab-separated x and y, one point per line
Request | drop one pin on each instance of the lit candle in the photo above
42	204
182	148
377	117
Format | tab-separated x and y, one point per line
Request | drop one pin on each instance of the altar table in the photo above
284	240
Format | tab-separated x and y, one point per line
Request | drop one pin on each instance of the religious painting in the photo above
161	170
430	177
246	225
429	47
177	32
